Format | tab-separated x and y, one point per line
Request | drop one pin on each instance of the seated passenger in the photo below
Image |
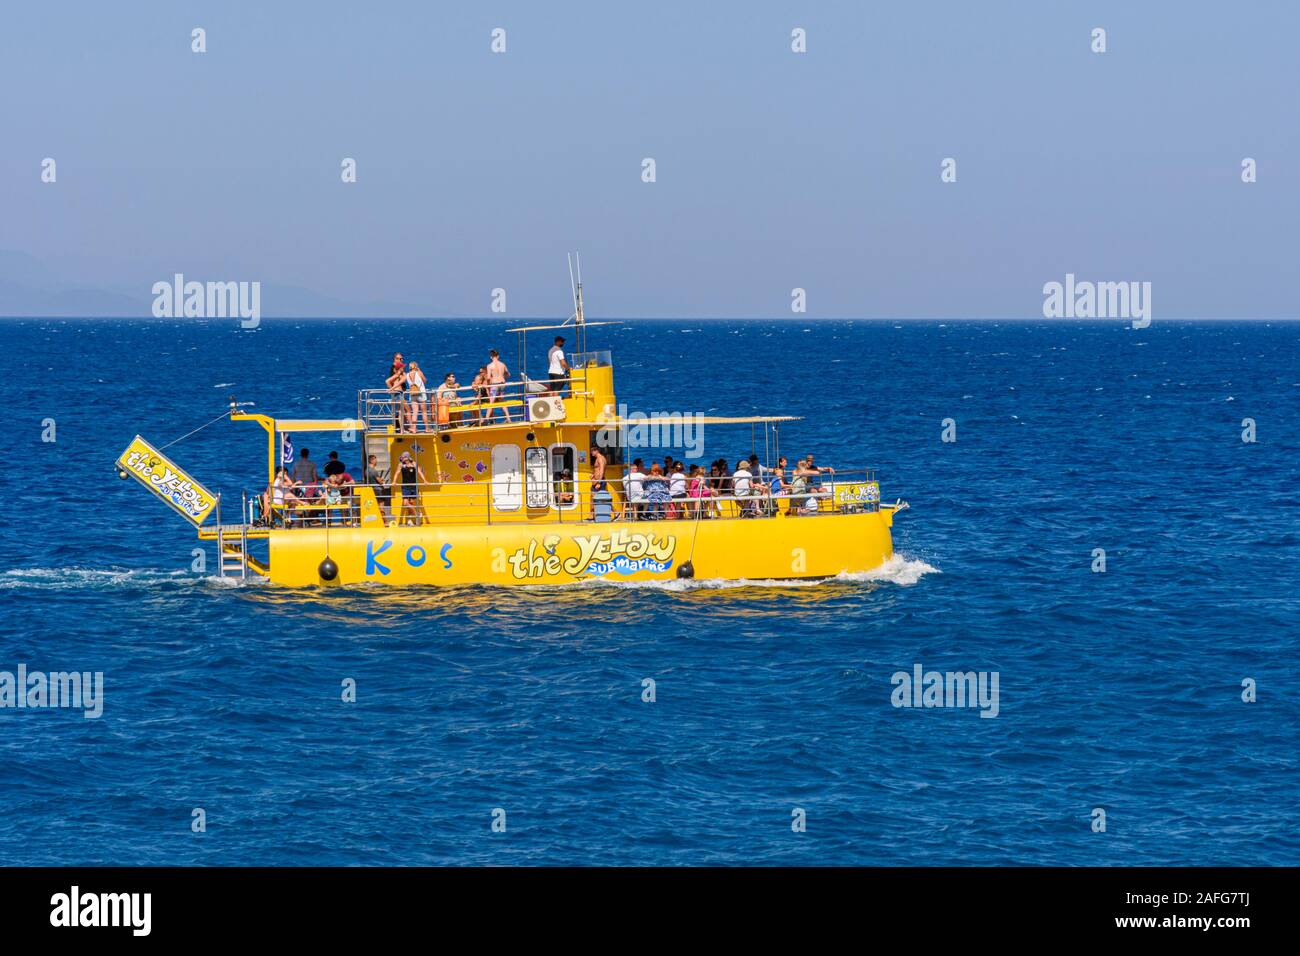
657	492
332	498
677	490
282	495
634	491
564	488
742	480
697	491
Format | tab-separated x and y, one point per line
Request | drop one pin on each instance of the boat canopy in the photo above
562	325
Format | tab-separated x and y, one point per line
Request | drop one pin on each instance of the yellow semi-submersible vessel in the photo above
512	499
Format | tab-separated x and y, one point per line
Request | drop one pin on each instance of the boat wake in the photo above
102	579
898	570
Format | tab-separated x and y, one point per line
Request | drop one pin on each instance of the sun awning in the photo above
318	424
701	419
567	325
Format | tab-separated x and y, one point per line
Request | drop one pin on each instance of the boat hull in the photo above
780	547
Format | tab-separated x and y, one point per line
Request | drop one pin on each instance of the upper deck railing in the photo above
409	411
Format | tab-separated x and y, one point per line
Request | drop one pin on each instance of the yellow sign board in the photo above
863	493
165	479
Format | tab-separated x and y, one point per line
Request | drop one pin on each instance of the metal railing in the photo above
564	500
410	412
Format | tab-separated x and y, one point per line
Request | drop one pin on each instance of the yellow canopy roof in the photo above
702	419
318	424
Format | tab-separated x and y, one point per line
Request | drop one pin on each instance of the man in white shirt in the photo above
557	366
741	479
634	491
677	488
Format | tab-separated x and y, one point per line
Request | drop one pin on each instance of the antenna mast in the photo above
576	289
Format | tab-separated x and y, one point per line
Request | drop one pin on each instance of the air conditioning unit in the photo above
548	409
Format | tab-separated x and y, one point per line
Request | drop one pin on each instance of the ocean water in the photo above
1119	690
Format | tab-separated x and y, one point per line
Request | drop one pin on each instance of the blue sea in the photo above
1119	690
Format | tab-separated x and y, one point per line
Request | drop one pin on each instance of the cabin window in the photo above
537	477
564	487
507	481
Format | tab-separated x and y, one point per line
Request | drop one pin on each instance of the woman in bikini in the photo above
396	383
419	397
410	477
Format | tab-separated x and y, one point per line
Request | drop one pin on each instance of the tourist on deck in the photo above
348	485
698	491
677	489
448	397
742	479
411	477
557	367
419	405
304	469
480	392
657	494
332	499
377	478
279	495
333	466
497	376
634	491
814	471
564	488
396	383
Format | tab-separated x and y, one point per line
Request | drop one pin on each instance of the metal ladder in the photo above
232	551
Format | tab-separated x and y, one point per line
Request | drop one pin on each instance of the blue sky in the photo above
775	170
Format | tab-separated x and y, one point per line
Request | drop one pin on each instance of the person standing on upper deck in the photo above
304	469
557	366
497	376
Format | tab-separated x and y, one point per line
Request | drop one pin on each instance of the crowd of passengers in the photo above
418	405
669	491
301	494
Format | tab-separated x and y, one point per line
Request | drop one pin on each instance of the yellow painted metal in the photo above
554	553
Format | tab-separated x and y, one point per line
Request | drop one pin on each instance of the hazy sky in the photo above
775	170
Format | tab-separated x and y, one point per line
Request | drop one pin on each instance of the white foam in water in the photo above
897	570
72	579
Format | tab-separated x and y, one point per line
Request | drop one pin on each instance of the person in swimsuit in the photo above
396	383
410	477
419	396
497	376
480	390
598	463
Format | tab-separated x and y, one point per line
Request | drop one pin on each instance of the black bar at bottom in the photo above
332	905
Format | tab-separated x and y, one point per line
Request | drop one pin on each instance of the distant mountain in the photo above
29	288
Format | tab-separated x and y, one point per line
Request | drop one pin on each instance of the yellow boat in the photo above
511	500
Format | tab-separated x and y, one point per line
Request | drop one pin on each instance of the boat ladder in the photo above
232	552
